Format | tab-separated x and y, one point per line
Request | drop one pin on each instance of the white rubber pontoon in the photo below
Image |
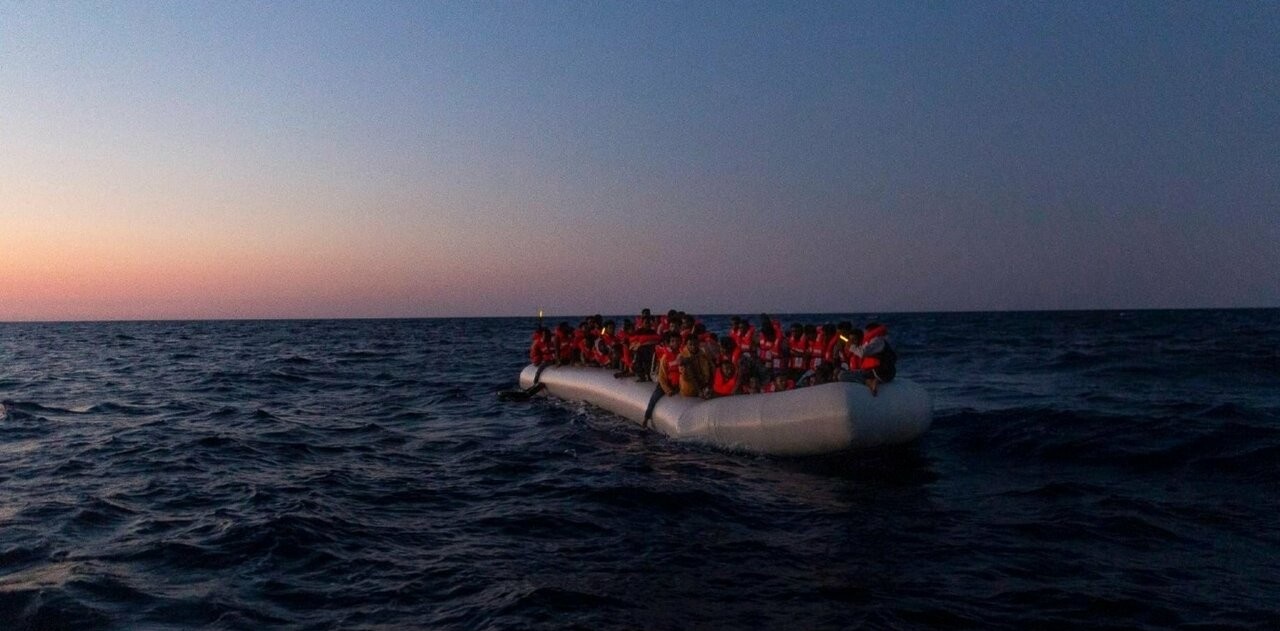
807	421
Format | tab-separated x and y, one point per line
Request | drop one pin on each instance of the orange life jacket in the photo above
744	340
672	360
541	351
799	352
564	346
724	386
816	348
870	362
770	351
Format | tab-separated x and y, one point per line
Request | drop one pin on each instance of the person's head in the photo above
628	326
726	345
734	322
828	330
810	331
797	329
672	340
780	379
644	313
609	326
727	368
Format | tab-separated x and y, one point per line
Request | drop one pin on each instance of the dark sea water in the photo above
1084	470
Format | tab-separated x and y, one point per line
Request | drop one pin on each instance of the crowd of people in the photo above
678	352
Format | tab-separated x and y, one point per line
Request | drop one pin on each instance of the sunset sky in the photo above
372	159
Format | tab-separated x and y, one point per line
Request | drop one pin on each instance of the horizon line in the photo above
559	316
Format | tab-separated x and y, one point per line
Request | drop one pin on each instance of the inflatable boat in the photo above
802	422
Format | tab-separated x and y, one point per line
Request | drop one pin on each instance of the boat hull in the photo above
806	421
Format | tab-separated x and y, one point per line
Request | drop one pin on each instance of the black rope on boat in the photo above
537	376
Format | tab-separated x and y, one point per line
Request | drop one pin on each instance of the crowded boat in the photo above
677	352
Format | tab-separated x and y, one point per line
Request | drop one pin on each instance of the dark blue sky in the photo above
367	159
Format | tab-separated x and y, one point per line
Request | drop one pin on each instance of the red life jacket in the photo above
541	351
724	386
663	325
744	340
880	331
851	358
644	339
816	348
771	351
799	352
672	360
603	350
564	346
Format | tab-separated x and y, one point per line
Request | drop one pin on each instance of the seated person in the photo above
695	371
667	356
725	382
877	361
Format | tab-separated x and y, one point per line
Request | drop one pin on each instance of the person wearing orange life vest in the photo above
814	344
770	349
563	339
746	339
604	351
644	342
878	361
850	361
838	347
668	359
823	365
542	350
623	347
695	370
725	382
798	351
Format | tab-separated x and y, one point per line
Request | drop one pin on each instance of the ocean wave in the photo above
1083	470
